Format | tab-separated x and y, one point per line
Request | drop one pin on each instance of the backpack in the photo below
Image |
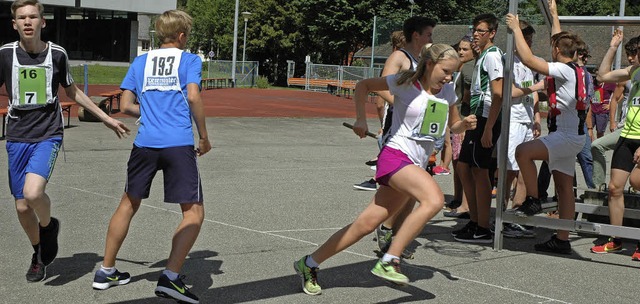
582	102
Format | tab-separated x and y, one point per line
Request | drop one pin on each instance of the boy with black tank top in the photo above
32	71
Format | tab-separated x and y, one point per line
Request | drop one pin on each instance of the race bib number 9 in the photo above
33	86
435	119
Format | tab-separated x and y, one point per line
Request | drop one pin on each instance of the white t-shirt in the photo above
522	107
411	102
565	80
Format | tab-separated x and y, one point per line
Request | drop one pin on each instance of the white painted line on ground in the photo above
546	299
301	230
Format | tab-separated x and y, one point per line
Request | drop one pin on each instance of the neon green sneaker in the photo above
390	271
309	277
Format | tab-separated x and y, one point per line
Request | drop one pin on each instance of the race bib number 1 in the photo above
435	119
33	86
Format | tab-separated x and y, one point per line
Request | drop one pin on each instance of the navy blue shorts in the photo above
179	168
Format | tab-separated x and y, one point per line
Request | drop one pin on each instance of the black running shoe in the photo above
469	227
37	271
175	290
49	241
102	281
453	204
554	245
478	236
531	206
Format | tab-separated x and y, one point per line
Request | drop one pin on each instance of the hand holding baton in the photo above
350	126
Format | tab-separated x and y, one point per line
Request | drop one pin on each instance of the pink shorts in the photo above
390	161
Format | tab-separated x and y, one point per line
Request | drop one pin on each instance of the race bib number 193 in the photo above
33	86
435	119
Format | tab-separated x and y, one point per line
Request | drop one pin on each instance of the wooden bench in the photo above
215	83
65	106
111	96
321	83
347	88
100	102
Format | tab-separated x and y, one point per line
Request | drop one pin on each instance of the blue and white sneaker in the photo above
102	281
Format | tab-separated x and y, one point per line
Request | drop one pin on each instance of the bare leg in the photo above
482	184
458	192
34	208
511	175
28	220
469	188
386	202
119	228
616	195
526	154
398	219
566	200
418	184
521	192
185	235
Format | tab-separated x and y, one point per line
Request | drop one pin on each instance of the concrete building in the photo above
94	30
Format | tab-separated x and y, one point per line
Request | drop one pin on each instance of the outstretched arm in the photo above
604	72
83	100
555	21
533	62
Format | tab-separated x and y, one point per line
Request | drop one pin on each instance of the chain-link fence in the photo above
246	71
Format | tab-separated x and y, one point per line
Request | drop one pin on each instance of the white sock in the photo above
310	262
386	258
108	270
170	274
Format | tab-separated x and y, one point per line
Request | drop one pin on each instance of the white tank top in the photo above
31	84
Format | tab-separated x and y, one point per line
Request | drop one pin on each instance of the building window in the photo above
145	45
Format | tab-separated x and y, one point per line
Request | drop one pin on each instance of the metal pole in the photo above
153	41
210	58
235	45
244	43
504	130
373	47
619	51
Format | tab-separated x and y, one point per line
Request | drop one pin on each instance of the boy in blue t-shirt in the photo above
166	82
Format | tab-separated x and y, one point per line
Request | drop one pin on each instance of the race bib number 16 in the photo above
33	85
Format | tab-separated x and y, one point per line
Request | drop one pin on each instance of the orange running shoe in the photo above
613	245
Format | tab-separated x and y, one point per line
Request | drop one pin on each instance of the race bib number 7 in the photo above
435	119
33	86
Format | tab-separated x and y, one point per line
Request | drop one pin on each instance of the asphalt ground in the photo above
276	188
